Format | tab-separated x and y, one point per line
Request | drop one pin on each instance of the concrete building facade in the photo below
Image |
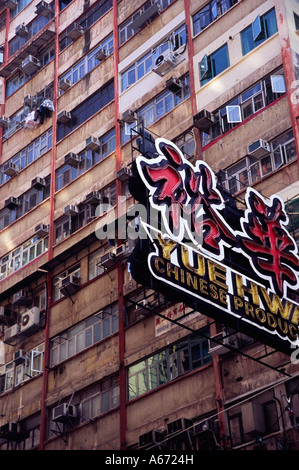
84	363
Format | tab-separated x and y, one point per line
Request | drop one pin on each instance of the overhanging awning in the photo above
32	47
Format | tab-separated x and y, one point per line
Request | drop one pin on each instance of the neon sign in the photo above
193	245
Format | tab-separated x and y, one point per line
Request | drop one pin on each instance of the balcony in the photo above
31	47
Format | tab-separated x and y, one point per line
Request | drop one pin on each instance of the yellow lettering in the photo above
241	289
173	270
275	306
199	269
217	274
167	246
191	280
157	261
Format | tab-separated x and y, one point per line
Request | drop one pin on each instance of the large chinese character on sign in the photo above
194	245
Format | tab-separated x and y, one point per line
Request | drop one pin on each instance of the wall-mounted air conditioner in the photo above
150	437
146	16
181	424
72	159
101	54
69	285
203	119
93	143
64	117
64	412
11	202
44	9
65	84
226	341
19	357
11	169
164	63
30	100
71	210
6	316
41	230
120	252
129	116
30	65
259	148
253	418
93	198
108	260
174	84
11	333
74	31
21	31
38	182
4	121
30	321
11	4
123	174
143	308
22	297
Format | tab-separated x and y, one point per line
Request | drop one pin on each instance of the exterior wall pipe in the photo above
122	369
43	424
5	59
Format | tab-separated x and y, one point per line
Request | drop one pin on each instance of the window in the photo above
212	65
84	334
146	63
296	20
249	170
15	83
37	148
67	173
245	105
20	5
94	266
22	255
261	29
106	398
164	366
33	28
87	109
186	143
126	31
159	106
89	62
210	13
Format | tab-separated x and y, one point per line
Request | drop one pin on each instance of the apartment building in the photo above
92	355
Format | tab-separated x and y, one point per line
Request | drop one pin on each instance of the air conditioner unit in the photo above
93	143
259	148
108	260
65	84
4	121
11	4
74	31
64	117
11	333
123	174
203	120
30	65
253	418
93	198
72	159
11	169
225	340
10	431
129	116
19	356
6	316
30	100
101	54
11	202
21	31
211	425
174	85
64	412
30	321
71	209
143	308
145	16
22	297
164	63
38	182
44	9
151	437
120	252
69	285
41	230
181	424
